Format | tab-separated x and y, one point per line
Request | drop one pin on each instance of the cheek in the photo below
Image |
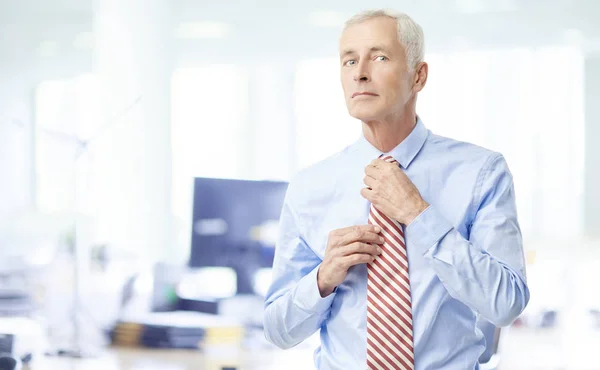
346	87
388	84
395	82
346	77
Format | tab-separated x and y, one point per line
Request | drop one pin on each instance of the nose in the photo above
362	73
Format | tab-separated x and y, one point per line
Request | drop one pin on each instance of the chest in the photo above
345	207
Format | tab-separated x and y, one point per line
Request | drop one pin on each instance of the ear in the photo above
420	77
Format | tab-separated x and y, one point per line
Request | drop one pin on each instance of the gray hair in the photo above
410	33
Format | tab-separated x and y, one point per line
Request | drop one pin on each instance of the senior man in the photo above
397	245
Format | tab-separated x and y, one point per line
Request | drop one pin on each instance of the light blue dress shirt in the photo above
465	254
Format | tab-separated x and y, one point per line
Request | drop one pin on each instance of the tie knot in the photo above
388	158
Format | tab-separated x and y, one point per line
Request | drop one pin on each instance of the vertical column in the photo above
273	152
16	143
581	258
591	201
17	190
132	157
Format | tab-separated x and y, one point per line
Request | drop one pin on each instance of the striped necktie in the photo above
389	312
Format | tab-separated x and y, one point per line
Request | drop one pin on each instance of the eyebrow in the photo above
374	48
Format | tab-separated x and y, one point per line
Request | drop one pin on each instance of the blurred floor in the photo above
559	348
522	349
143	359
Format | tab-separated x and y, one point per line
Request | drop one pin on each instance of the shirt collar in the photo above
404	152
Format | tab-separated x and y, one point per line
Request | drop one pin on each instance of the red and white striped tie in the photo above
389	312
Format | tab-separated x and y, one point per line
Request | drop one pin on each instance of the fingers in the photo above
369	181
378	167
365	234
361	248
357	253
372	171
368	194
360	233
378	163
353	245
356	259
352	229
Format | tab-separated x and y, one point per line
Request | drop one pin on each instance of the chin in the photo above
367	110
364	113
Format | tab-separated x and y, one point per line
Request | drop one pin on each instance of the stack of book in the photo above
179	329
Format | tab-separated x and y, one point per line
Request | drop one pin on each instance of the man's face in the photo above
374	72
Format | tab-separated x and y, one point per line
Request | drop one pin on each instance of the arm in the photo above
294	308
486	272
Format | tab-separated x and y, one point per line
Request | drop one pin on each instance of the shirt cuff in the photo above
425	231
308	296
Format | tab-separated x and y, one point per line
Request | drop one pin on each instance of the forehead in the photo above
380	31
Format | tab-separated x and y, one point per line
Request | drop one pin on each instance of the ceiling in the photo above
266	27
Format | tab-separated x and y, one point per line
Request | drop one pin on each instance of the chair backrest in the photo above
492	339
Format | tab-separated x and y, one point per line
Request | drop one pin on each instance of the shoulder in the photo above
485	172
478	174
466	154
317	182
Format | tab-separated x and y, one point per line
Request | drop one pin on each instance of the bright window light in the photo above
208	282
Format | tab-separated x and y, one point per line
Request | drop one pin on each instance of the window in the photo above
324	126
66	112
526	103
209	133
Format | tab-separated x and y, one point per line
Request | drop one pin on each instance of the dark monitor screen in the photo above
235	222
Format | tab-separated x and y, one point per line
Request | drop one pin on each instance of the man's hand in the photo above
345	248
392	192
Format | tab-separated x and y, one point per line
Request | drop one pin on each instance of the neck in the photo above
386	134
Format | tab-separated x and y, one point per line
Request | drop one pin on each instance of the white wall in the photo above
275	78
591	197
16	175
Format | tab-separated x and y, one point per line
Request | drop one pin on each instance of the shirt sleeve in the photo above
294	308
487	271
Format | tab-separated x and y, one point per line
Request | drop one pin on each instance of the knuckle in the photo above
331	243
344	264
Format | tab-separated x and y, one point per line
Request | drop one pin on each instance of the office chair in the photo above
490	358
8	362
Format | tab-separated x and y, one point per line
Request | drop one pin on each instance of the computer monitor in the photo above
235	225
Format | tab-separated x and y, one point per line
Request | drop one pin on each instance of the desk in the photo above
116	358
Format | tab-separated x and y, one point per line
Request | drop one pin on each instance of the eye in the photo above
350	62
381	58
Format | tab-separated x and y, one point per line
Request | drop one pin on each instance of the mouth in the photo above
363	93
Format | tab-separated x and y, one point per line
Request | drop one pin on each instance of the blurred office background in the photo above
145	146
